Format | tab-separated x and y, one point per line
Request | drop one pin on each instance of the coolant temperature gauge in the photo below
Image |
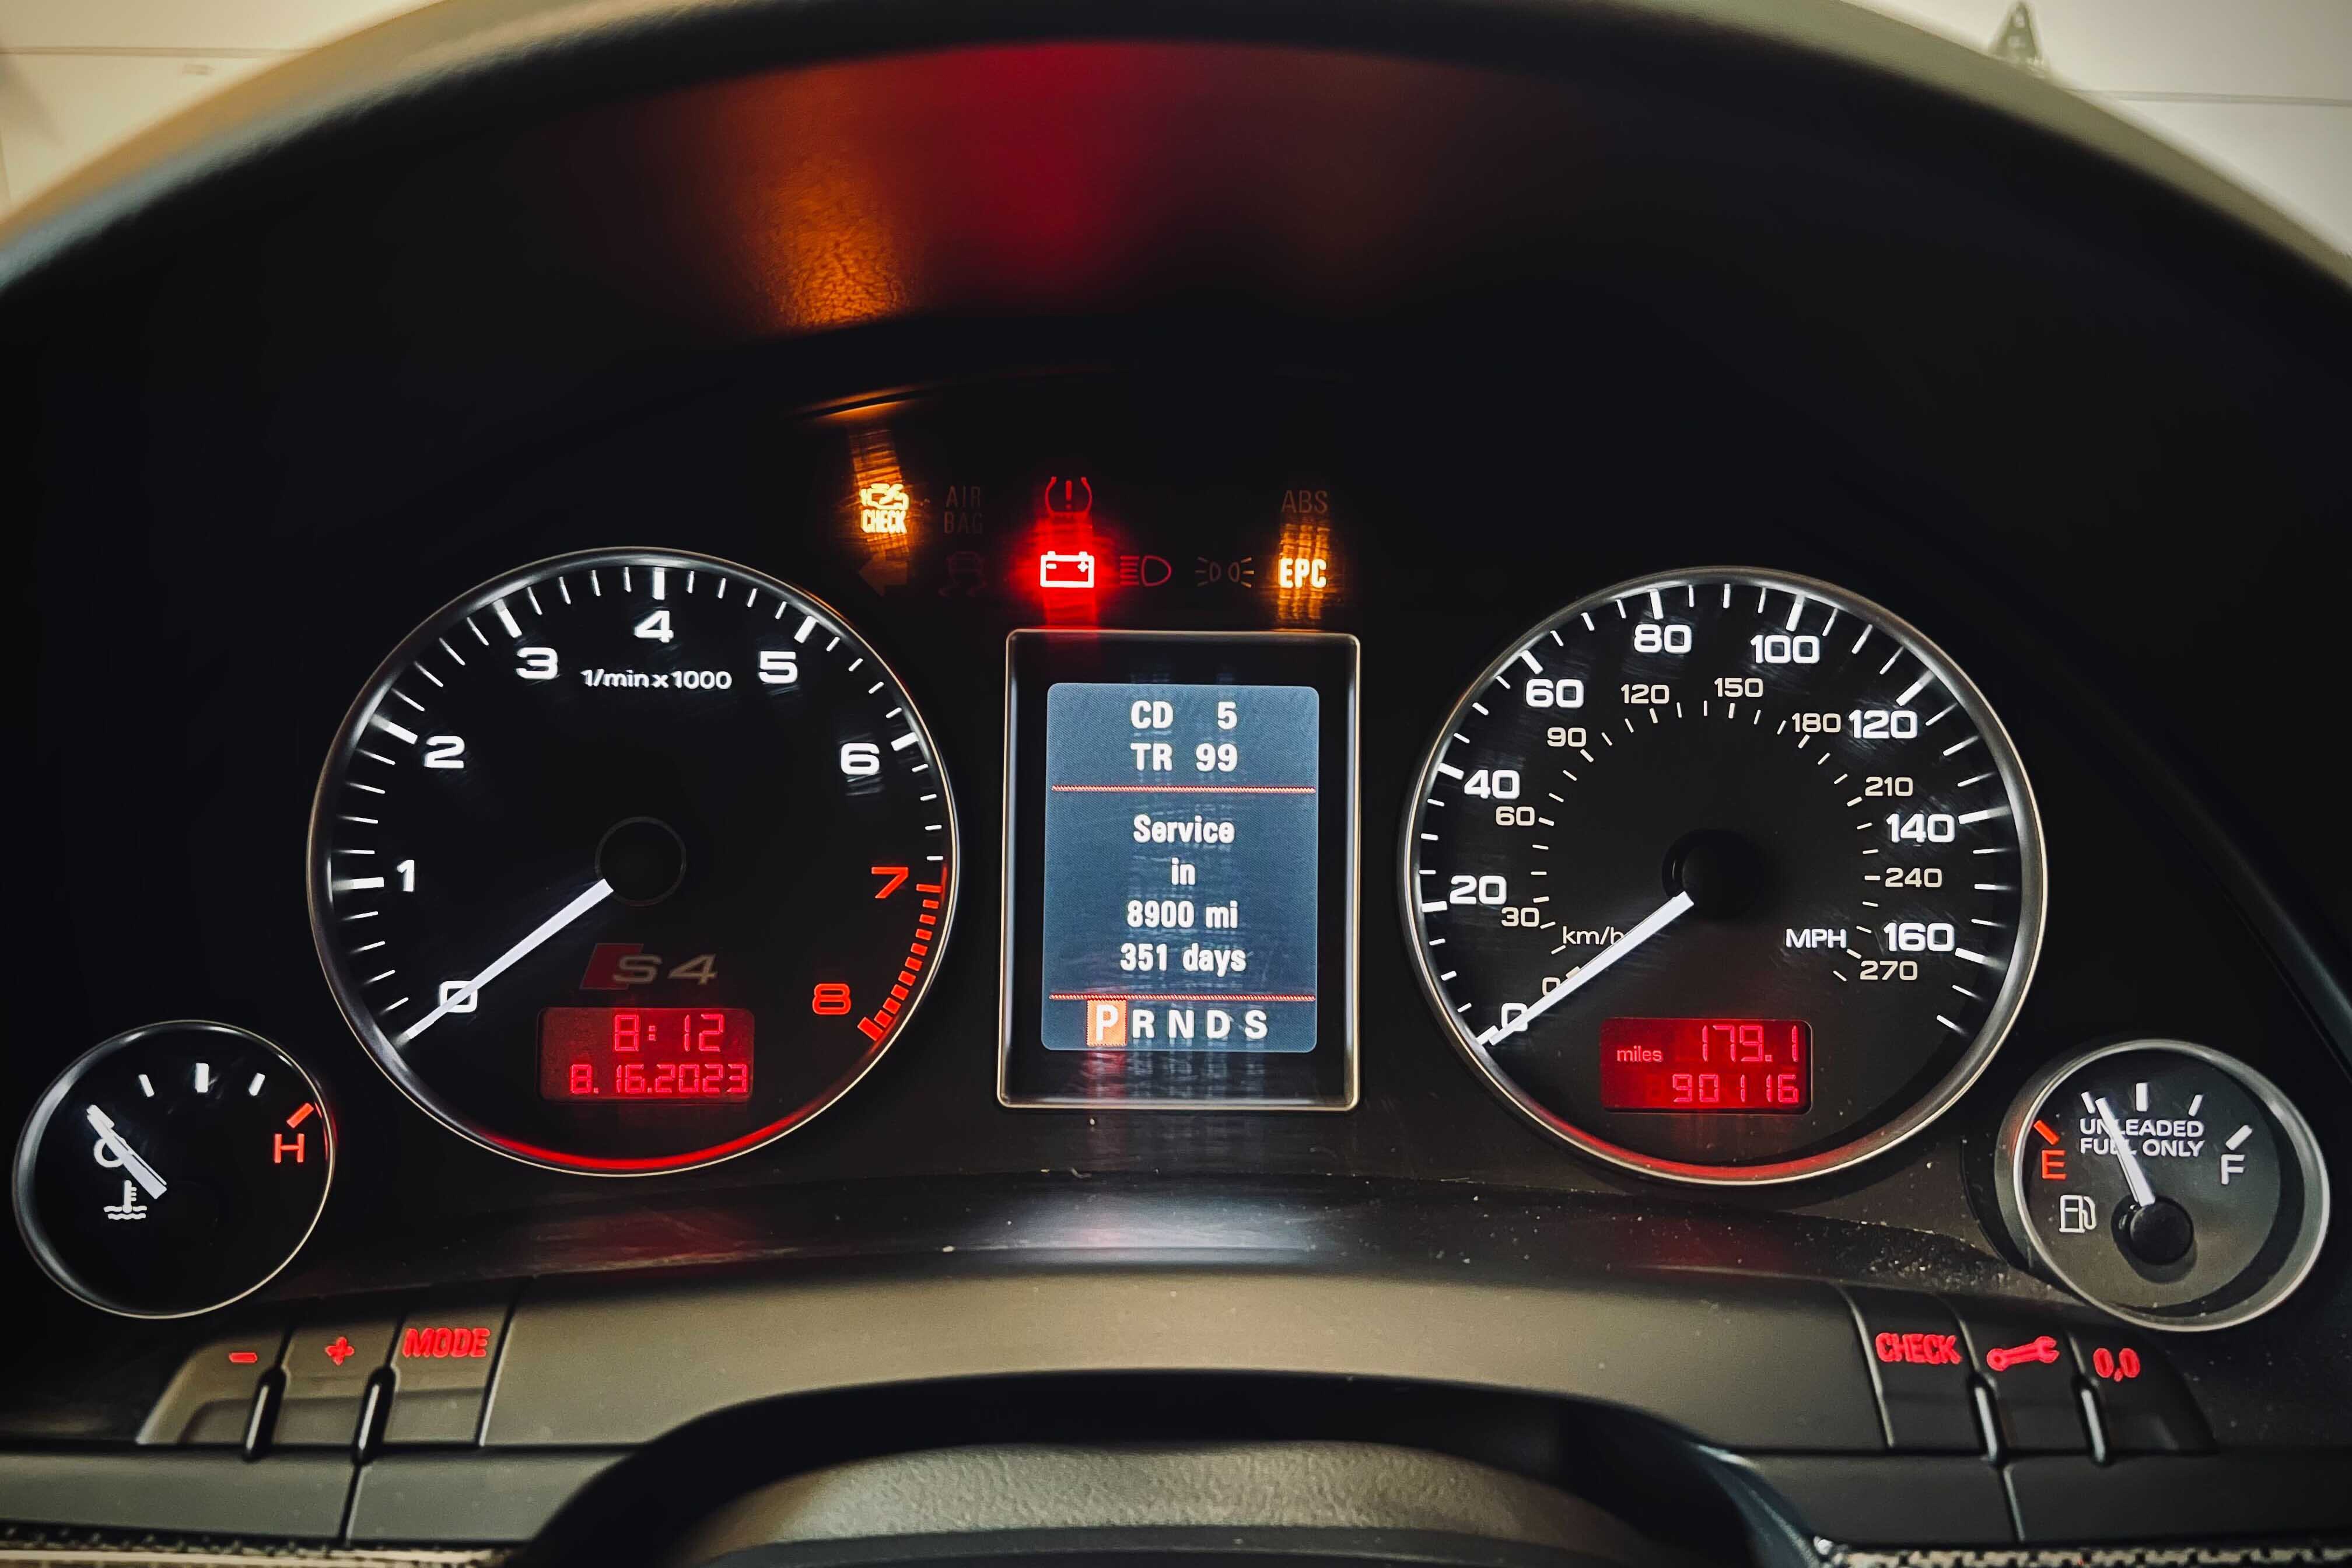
173	1168
2165	1183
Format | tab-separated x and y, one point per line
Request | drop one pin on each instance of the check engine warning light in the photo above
882	508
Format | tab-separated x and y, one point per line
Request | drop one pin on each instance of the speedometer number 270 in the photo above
1725	809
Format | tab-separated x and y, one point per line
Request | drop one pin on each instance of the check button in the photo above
1919	1365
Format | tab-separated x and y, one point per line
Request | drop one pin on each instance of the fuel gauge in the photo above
2165	1183
173	1168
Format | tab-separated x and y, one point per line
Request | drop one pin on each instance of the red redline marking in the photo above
879	1023
301	1113
1125	996
2043	1128
1184	789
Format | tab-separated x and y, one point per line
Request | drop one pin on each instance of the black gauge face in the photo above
631	861
2165	1183
1724	876
173	1168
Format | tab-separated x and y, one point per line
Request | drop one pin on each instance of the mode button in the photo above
441	1366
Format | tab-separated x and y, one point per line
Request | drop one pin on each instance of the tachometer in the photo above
1725	875
631	861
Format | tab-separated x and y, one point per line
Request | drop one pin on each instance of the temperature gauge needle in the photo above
514	955
148	1177
2134	1177
1658	920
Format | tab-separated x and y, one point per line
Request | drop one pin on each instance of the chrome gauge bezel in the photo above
2303	1254
2026	949
379	1049
37	1124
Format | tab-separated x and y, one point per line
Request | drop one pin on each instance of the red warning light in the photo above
1068	561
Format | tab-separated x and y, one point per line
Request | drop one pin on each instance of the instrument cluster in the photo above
1149	757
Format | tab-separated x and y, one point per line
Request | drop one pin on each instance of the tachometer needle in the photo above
148	1177
2134	1177
512	956
1664	915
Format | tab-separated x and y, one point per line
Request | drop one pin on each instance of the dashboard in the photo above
1157	754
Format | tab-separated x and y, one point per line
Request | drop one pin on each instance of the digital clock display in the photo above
700	1054
1706	1064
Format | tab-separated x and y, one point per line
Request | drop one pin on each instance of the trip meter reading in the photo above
1705	1064
630	862
1725	875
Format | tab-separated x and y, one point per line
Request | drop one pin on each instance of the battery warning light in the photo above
1065	569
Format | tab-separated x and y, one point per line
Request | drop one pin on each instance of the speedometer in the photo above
1726	875
630	862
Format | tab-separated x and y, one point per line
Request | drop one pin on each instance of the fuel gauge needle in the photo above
2134	1177
148	1177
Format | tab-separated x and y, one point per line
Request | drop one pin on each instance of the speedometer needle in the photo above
1664	915
511	956
2134	1177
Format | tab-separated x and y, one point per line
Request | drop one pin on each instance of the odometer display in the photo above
593	819
1706	1064
693	1054
1726	875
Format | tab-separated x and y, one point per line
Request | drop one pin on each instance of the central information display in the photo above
1180	866
1181	852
